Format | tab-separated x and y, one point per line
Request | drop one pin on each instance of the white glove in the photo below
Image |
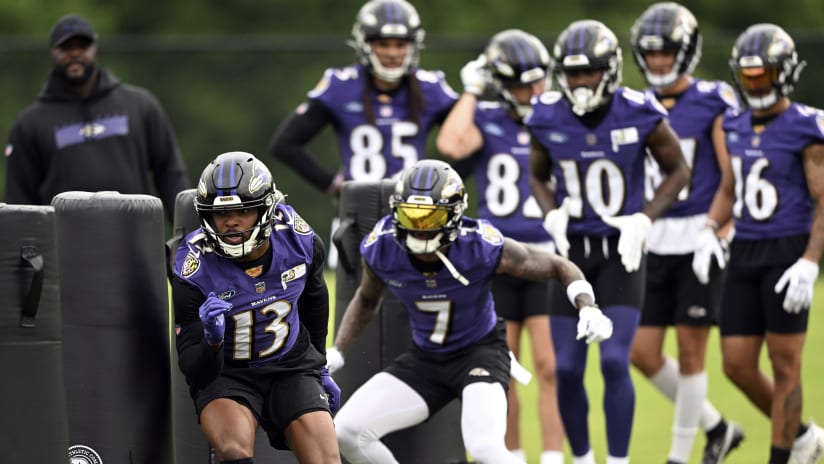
334	359
474	75
555	223
517	371
801	279
709	245
593	325
634	230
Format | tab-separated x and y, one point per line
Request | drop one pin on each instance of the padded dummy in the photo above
191	446
115	311
32	400
388	335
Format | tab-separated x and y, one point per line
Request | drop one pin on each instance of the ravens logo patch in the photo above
190	265
301	226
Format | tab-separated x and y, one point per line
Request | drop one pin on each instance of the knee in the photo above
569	372
647	362
736	371
545	370
351	437
614	367
231	451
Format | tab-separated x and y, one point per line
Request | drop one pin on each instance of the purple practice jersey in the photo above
771	195
264	323
445	315
372	152
600	169
502	175
691	117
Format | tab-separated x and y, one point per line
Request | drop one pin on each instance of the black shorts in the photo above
276	394
675	296
517	299
598	258
441	377
750	305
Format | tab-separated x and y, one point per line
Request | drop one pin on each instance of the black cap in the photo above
70	26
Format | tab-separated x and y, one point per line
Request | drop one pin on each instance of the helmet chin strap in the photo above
446	262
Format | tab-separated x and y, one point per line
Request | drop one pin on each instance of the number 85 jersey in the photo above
395	141
600	167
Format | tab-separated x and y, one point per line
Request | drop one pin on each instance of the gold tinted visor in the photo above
421	217
757	78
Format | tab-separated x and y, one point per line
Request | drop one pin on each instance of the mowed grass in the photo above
651	434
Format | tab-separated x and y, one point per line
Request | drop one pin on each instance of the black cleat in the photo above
719	447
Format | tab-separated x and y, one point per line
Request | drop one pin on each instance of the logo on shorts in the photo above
80	454
697	312
479	372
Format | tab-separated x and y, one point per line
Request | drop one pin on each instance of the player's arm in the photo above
813	160
361	309
289	142
196	359
314	301
531	263
540	173
459	137
721	208
663	144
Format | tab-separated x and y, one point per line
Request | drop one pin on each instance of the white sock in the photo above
519	453
614	460
692	391
552	457
588	458
666	380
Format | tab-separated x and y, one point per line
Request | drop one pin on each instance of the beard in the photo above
73	77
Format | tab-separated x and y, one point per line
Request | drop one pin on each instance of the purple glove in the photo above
211	315
331	388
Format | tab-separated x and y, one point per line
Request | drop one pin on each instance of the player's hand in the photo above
593	325
799	280
334	359
211	316
708	246
555	223
331	388
474	76
634	229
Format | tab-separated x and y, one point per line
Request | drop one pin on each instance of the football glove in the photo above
634	229
474	76
593	325
211	316
708	246
334	359
799	280
331	388
555	223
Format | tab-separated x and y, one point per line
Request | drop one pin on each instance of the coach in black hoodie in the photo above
88	131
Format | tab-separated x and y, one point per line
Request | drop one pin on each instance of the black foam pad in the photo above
115	309
32	400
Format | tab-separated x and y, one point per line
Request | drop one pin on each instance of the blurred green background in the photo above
229	72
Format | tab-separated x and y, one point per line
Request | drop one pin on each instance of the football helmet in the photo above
666	26
587	44
427	206
765	52
515	57
236	180
387	19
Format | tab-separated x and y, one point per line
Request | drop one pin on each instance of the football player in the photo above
440	264
772	187
382	108
666	46
587	173
253	308
513	68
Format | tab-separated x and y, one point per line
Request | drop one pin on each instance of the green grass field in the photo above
653	413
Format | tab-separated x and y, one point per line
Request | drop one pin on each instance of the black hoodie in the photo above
110	140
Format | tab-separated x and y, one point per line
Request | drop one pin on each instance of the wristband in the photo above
579	287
